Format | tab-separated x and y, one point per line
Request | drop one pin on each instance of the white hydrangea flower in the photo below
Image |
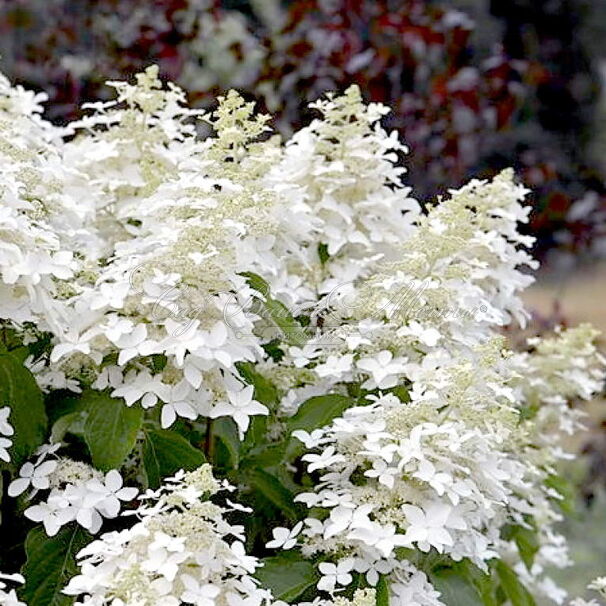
181	550
32	475
110	492
9	598
284	538
599	585
240	405
6	429
135	245
78	493
335	574
383	369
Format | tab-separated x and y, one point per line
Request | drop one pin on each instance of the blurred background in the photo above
475	86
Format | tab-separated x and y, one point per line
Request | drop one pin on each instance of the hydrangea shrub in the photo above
186	317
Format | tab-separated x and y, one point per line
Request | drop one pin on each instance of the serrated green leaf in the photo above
19	391
110	430
288	575
50	564
165	452
517	594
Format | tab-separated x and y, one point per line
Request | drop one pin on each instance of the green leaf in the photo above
227	443
462	583
401	392
293	332
50	564
456	590
273	350
517	594
73	422
565	489
318	412
382	590
20	353
269	487
313	414
323	253
19	391
288	575
265	392
266	456
256	434
165	452
61	402
482	581
158	362
527	541
110	430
